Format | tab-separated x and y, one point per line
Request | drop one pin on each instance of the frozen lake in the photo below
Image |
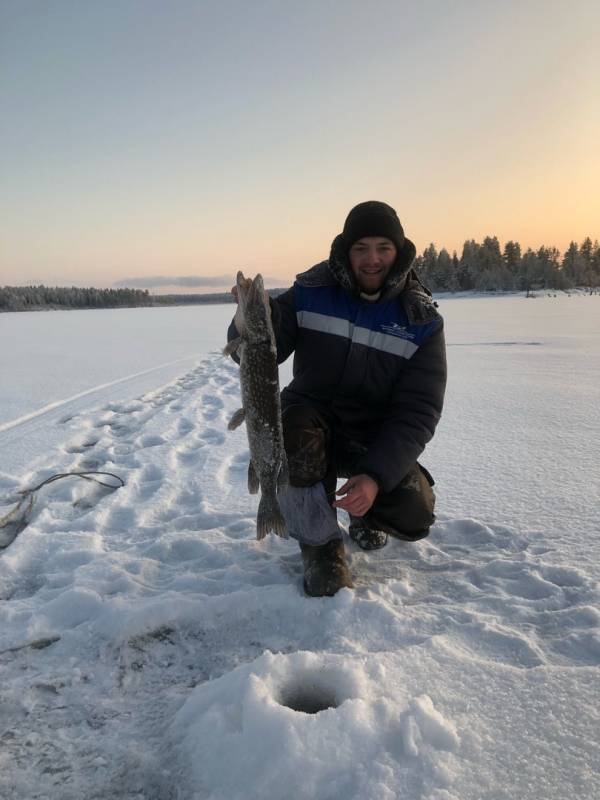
56	354
51	359
517	443
165	644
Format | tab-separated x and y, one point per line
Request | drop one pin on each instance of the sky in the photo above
156	143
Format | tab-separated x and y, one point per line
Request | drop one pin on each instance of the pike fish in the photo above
261	405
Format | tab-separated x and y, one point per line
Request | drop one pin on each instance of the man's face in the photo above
371	258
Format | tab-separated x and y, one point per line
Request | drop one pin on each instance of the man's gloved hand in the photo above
360	492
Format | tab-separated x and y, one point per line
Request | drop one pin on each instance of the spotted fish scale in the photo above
261	406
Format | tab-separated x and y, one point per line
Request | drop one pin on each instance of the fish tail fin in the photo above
269	518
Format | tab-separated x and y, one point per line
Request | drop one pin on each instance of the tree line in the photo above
488	268
482	267
31	298
34	298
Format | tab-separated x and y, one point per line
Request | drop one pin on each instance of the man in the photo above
366	395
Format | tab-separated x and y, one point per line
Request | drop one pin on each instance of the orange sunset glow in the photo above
139	141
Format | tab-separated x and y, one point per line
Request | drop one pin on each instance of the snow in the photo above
150	647
59	362
348	748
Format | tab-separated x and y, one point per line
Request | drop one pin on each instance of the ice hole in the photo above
310	693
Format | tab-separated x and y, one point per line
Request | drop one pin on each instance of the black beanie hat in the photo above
373	218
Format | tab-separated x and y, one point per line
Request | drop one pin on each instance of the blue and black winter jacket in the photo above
376	370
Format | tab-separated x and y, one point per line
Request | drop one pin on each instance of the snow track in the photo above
149	644
60	404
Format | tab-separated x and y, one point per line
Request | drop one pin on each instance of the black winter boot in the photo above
365	537
325	568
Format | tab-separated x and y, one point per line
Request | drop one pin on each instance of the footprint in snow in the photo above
132	407
120	429
495	642
89	463
234	471
80	444
578	648
211	407
163	397
211	436
149	440
565	577
189	454
121	449
190	496
151	473
516	579
149	481
121	456
245	528
184	426
120	519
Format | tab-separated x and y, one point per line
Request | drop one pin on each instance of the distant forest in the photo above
31	298
481	267
486	268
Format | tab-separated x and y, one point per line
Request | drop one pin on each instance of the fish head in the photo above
254	307
242	285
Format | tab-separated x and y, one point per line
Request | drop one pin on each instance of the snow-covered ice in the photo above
151	648
57	363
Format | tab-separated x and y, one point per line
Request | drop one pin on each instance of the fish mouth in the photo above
258	284
251	292
256	290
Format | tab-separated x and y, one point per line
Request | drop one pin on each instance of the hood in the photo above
395	282
337	270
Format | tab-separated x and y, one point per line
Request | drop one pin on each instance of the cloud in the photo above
186	281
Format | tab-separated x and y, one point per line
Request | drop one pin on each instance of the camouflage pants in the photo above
316	454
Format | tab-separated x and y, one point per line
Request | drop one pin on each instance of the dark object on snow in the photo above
15	521
366	538
18	517
326	570
261	406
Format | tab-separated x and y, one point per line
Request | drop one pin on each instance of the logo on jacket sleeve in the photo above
395	329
